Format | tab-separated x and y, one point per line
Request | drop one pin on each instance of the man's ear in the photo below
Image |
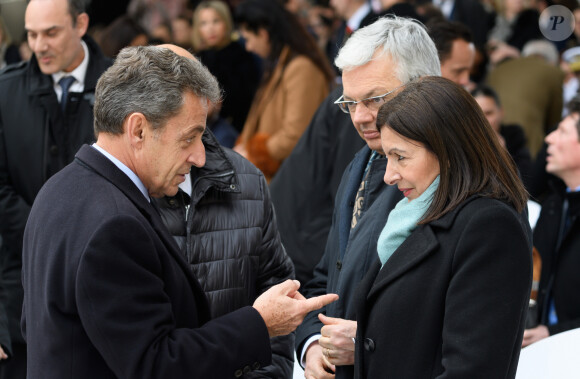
135	128
82	24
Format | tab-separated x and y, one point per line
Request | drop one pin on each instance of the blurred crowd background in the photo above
505	34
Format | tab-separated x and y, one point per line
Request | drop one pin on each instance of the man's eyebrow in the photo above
366	95
55	27
194	130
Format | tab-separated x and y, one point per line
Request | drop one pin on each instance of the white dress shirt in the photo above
79	74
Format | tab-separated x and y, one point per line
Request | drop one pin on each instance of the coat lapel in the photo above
40	86
419	245
347	203
95	161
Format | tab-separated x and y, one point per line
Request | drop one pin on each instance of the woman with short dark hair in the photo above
449	293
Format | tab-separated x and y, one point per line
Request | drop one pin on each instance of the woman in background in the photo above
122	32
296	79
449	293
236	70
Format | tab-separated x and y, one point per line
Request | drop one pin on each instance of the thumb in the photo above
328	320
318	302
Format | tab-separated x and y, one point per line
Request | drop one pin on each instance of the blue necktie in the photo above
65	83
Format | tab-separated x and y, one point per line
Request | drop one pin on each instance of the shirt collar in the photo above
80	72
134	178
446	7
186	185
354	21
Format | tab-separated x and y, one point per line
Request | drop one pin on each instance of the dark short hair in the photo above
76	7
573	106
444	33
486	91
445	118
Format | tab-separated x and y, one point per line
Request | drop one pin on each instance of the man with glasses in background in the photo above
375	62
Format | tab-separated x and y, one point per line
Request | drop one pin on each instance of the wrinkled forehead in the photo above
371	79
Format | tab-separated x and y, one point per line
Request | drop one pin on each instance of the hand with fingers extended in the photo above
337	340
283	308
316	366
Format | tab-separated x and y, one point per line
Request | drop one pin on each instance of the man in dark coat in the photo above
224	223
40	133
374	64
304	193
105	284
557	233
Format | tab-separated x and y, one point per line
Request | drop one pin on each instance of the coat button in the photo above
232	186
369	344
247	369
338	265
256	366
238	373
53	150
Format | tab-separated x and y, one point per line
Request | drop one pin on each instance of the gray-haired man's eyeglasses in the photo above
372	103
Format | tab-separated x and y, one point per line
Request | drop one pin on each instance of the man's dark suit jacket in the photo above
36	141
108	295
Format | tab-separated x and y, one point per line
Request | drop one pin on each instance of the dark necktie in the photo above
359	198
65	83
358	202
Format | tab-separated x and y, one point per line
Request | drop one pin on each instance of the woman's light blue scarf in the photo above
403	220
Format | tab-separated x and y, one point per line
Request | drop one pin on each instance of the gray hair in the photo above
404	40
152	81
543	49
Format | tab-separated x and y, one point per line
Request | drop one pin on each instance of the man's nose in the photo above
197	156
362	114
464	79
38	44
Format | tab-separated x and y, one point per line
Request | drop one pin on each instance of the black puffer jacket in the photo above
231	239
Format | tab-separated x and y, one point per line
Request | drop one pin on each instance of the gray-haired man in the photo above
107	293
375	62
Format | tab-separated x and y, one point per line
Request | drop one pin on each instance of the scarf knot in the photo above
403	220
